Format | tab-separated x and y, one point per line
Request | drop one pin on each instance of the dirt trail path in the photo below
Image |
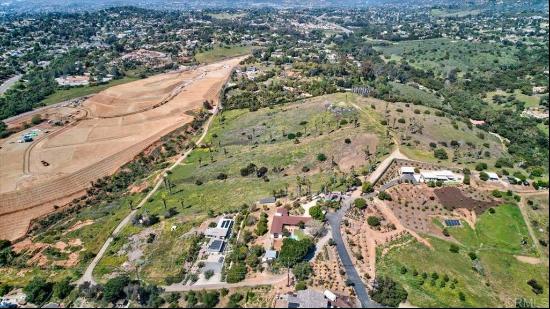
88	274
381	168
522	208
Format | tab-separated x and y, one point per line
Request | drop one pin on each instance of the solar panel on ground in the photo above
452	222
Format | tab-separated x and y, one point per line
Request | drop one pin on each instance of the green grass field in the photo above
105	218
500	278
415	94
237	138
528	100
430	128
220	53
441	55
244	137
75	92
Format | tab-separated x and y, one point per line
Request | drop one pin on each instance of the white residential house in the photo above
409	173
407	170
442	175
222	229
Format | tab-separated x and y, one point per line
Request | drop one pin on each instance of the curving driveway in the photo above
335	219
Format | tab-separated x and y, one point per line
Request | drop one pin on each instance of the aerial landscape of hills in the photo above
277	154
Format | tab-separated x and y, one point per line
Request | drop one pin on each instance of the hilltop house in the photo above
409	173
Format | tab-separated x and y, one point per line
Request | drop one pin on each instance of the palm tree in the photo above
167	183
163	197
299	181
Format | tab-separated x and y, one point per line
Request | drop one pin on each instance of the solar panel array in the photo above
452	222
215	245
225	224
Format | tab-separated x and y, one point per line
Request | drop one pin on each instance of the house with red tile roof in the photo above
282	221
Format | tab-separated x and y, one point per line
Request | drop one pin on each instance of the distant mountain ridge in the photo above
34	6
38	6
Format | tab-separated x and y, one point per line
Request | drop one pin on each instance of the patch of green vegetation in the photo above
227	15
237	138
416	256
167	255
65	94
544	128
427	129
441	55
505	231
485	267
254	297
511	97
104	219
222	52
299	234
462	12
416	95
536	208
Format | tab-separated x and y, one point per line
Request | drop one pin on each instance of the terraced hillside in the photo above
121	122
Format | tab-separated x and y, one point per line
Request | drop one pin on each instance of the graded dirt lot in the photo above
453	198
120	122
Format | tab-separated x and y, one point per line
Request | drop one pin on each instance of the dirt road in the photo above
88	274
216	286
381	168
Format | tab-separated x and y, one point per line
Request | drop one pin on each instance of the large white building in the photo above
410	173
442	175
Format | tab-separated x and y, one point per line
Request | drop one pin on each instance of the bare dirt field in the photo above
120	122
452	198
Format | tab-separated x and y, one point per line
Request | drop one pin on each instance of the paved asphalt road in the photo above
335	219
9	82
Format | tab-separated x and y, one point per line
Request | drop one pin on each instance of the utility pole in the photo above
287	276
